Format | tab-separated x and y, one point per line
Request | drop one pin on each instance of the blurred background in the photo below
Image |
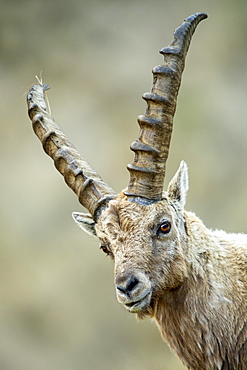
57	302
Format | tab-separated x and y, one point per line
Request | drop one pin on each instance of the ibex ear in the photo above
179	185
85	222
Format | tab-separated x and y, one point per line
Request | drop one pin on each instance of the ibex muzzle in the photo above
168	265
134	290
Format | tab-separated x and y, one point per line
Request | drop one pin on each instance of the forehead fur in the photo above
123	215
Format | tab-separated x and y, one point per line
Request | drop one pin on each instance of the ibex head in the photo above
143	229
147	243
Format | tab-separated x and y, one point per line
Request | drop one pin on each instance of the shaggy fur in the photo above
191	280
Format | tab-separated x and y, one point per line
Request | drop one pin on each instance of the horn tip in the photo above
183	34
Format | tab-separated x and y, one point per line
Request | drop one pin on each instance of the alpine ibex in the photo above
168	265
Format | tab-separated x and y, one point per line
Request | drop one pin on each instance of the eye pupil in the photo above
165	227
104	249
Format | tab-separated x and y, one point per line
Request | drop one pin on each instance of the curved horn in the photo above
92	192
151	149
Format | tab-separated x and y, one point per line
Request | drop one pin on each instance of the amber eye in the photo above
104	249
165	227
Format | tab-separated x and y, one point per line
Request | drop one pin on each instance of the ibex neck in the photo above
201	317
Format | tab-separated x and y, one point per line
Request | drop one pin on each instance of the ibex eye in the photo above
165	227
104	249
107	251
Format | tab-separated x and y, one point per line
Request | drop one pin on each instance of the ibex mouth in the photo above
141	304
133	290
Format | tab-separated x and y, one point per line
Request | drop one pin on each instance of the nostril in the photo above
121	288
130	285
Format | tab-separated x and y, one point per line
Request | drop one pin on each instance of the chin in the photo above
142	310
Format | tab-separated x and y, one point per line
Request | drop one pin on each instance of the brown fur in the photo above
198	279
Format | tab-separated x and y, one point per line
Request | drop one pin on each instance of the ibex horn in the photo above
151	149
92	192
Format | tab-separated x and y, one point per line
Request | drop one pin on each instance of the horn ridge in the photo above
90	189
151	149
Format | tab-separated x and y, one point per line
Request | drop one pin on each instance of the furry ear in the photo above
85	222
179	185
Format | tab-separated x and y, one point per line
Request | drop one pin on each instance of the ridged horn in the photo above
151	149
92	192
